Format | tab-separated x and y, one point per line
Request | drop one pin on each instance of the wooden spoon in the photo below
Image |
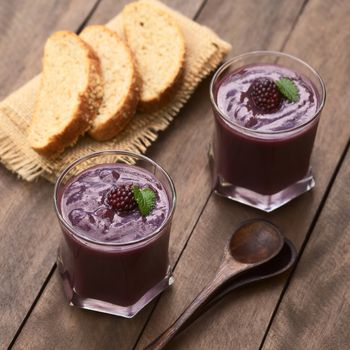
252	244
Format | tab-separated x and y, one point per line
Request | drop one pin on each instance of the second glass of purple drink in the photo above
114	274
263	168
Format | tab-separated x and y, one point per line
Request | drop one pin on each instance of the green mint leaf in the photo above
288	89
145	199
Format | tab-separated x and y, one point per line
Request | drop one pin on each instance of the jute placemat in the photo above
205	50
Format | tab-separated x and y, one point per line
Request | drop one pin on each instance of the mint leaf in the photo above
288	89
145	199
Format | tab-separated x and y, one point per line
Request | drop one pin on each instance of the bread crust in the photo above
121	117
170	88
85	111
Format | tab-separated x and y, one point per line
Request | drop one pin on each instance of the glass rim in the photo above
74	232
261	53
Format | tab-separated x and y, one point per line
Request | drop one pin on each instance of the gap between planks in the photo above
295	23
87	18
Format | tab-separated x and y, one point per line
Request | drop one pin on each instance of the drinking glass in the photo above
263	169
111	277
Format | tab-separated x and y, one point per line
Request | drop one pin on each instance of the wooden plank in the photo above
26	258
315	311
107	8
28	241
182	151
241	320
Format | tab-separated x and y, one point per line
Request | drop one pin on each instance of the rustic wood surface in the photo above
271	314
315	310
26	258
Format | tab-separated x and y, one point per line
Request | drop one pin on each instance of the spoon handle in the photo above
219	294
224	273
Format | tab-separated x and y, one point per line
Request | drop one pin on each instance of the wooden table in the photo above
307	308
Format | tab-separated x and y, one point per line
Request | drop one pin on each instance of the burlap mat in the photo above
205	50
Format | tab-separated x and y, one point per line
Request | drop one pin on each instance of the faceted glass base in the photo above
263	202
101	306
266	203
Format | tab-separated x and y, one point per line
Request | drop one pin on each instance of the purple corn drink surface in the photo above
234	103
84	206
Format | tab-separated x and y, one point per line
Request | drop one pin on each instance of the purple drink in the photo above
112	261
232	97
262	158
84	204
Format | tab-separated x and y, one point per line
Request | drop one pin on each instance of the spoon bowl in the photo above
255	242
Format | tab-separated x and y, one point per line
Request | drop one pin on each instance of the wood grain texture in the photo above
185	144
24	27
72	323
26	257
241	321
182	151
108	8
315	311
60	326
28	240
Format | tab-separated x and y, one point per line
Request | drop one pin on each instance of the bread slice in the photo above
69	95
159	49
120	82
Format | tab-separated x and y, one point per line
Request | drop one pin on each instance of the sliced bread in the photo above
120	82
69	95
159	49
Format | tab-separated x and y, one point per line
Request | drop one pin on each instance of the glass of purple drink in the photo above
264	135
113	255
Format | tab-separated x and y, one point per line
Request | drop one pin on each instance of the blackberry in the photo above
265	95
121	199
